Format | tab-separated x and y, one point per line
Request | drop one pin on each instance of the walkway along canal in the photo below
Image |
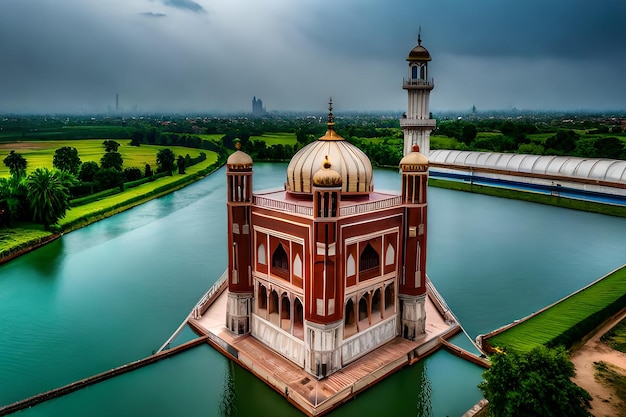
113	292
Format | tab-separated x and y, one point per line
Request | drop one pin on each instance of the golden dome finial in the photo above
326	164
237	144
331	117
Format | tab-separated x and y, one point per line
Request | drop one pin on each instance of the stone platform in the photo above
317	397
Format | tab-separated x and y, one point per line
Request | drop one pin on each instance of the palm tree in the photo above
48	194
13	196
16	163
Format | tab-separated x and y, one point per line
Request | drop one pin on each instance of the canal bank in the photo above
107	207
530	194
68	309
567	322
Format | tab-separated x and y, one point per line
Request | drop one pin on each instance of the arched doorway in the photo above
298	319
285	313
261	303
363	314
376	306
390	300
273	308
349	320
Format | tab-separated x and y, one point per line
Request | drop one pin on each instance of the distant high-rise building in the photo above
117	103
257	107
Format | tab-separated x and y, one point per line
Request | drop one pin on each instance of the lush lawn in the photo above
445	142
616	337
576	315
135	195
41	153
28	234
15	237
212	137
280	138
539	138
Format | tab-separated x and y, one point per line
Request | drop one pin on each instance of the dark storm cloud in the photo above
76	55
185	5
530	28
152	14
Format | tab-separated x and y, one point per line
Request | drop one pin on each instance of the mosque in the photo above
325	269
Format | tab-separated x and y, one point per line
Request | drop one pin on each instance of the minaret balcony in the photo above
409	123
418	84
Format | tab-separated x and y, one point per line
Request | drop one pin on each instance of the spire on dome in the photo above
419	36
331	117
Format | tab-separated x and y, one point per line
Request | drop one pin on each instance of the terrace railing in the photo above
370	206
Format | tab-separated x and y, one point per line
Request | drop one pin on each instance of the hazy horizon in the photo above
202	57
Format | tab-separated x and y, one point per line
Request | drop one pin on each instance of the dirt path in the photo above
604	402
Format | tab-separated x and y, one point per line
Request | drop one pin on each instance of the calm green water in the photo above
113	292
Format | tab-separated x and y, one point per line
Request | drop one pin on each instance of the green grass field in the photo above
445	142
616	337
563	316
212	137
133	194
27	234
280	138
23	233
41	153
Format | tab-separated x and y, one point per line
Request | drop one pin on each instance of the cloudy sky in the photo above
215	55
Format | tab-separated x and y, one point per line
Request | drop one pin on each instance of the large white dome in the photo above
349	161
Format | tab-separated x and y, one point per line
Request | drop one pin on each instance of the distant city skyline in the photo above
75	56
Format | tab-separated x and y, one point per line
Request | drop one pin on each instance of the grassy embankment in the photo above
590	206
278	138
568	321
37	154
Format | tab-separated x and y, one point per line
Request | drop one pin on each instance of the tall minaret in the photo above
239	201
412	289
416	124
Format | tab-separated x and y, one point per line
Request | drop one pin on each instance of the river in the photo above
114	291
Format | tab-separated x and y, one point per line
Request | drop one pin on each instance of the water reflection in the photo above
228	401
424	403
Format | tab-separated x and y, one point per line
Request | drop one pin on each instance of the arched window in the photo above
369	259
260	254
414	72
280	259
390	256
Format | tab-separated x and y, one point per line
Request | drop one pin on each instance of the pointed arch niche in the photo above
297	266
260	254
390	255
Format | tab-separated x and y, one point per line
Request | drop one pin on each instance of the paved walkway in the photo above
302	389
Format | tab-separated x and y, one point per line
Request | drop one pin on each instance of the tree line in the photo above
597	141
44	195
